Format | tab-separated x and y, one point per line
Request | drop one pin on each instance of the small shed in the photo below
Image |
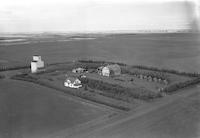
111	70
72	82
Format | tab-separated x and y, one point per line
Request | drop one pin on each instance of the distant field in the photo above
32	111
173	51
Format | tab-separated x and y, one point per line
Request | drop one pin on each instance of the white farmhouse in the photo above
72	82
36	64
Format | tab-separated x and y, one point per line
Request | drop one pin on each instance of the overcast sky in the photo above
97	15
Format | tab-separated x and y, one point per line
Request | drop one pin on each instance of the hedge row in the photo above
87	96
167	71
24	77
118	92
101	62
6	68
89	65
145	68
171	88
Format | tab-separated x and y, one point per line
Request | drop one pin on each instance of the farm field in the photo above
171	51
32	111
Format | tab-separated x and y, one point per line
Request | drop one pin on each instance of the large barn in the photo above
111	70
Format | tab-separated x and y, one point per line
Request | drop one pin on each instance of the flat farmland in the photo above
29	110
171	51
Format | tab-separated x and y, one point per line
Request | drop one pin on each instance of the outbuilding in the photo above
111	70
79	70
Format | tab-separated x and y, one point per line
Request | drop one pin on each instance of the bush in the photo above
2	76
85	87
141	73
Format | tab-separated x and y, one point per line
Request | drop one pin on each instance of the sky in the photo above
98	15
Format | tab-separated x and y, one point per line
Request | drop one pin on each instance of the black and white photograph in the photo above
100	69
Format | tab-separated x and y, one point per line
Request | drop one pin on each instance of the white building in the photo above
106	71
36	64
72	82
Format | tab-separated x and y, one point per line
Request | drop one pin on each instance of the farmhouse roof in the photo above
72	79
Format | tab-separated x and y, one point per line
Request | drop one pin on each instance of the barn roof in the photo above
114	67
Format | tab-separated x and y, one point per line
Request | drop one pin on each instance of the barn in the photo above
111	70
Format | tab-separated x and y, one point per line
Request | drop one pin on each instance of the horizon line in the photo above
109	31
